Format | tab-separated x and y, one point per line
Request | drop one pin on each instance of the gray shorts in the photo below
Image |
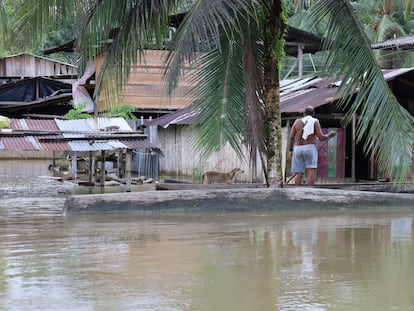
304	156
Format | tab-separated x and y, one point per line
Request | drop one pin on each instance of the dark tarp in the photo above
29	90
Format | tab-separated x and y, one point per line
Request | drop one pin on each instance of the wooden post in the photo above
300	61
153	133
286	157
54	160
128	160
91	166
353	149
37	87
75	166
119	168
102	168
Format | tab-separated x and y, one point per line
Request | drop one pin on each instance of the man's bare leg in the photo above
298	179
310	176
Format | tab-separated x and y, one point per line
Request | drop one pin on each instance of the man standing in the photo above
302	147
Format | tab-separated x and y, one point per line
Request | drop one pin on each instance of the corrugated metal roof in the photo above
16	143
104	123
86	146
297	101
183	116
57	135
78	125
137	144
55	146
390	74
402	43
39	124
293	85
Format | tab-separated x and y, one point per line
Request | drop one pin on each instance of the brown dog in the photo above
219	177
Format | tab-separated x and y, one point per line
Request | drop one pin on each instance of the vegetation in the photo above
122	110
237	43
77	113
25	27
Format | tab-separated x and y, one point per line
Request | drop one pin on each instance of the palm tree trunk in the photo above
273	56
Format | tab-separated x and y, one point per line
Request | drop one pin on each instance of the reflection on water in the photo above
310	260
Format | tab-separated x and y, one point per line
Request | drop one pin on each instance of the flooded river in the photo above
309	260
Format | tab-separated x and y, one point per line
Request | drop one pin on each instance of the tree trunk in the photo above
273	57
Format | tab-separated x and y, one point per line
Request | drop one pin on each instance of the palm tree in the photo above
384	20
238	47
17	23
239	75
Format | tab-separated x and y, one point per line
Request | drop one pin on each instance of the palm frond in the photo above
384	124
220	99
387	29
210	39
3	27
33	19
201	31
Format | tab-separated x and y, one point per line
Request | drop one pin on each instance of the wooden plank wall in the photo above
27	65
181	159
145	87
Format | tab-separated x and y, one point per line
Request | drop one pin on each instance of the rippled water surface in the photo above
310	260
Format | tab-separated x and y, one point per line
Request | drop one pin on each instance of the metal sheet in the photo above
40	124
101	124
402	43
138	144
86	146
83	128
296	102
79	125
19	143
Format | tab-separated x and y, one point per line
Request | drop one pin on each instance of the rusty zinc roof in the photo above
71	135
183	116
402	43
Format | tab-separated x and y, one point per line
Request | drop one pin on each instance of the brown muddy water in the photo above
309	260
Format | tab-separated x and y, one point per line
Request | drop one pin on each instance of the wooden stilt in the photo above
91	167
128	160
102	168
75	166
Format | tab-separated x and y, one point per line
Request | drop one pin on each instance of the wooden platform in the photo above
243	199
360	186
197	186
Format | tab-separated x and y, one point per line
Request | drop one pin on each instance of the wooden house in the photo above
145	88
35	85
341	159
24	65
